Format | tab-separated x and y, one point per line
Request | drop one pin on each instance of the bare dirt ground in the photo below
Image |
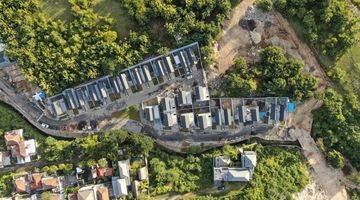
270	28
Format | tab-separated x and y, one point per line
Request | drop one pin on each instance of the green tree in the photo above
102	162
266	5
45	195
336	159
140	144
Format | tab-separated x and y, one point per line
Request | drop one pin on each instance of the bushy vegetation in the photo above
273	75
11	120
96	147
56	55
329	25
265	5
336	159
190	20
337	122
171	173
279	173
354	194
6	184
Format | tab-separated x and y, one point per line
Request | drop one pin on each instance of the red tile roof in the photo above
35	181
104	171
20	184
103	193
50	182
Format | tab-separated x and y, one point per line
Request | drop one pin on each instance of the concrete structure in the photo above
124	171
202	93
204	120
184	98
187	120
143	173
223	171
4	60
119	187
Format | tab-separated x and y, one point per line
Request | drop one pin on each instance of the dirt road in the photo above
236	41
331	180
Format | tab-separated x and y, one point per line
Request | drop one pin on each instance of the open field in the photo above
350	63
60	9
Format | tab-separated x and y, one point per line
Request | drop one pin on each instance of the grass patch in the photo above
60	10
128	113
56	9
112	8
350	63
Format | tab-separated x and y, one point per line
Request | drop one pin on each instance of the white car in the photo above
44	125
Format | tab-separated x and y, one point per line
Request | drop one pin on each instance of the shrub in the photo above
336	159
265	5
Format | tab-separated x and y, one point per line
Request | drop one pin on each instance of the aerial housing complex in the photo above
135	82
191	109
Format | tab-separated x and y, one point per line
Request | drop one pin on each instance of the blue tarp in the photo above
262	115
291	107
42	95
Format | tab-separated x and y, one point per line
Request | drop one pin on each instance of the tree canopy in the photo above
338	123
182	19
56	55
273	75
330	25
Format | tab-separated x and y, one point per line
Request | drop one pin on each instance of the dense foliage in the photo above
171	173
279	173
354	194
56	55
329	25
273	75
187	21
336	159
11	120
97	147
337	122
6	184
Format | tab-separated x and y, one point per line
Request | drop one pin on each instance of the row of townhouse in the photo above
193	109
141	77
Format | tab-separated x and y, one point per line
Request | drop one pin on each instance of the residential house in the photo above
4	159
119	187
185	98
204	120
35	181
124	171
21	185
143	173
187	120
202	93
51	183
21	149
223	171
92	192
